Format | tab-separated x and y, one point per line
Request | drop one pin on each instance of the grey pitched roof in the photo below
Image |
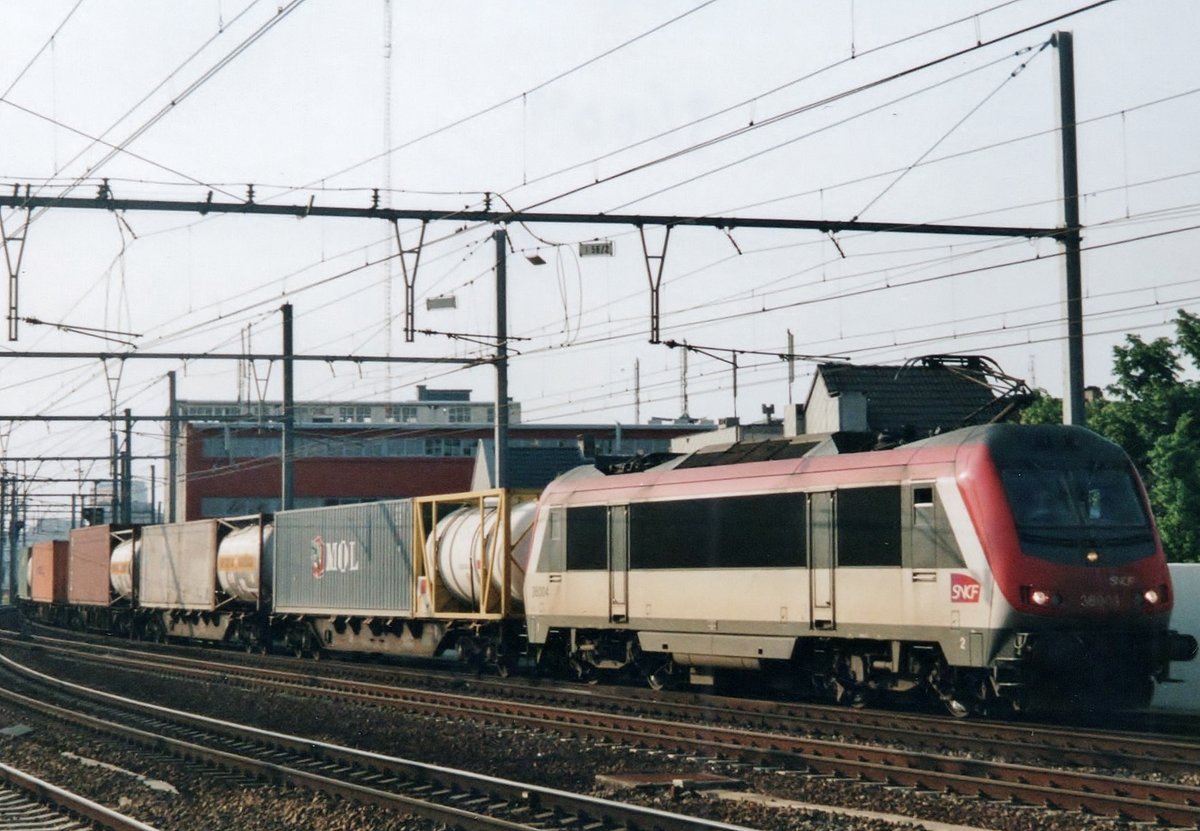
916	399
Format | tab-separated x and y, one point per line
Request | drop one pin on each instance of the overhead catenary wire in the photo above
122	148
773	273
41	51
795	111
521	96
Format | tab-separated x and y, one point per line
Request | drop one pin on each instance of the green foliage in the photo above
1175	491
1045	409
1154	414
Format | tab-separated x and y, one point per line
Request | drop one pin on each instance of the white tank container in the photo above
121	566
460	554
27	587
239	561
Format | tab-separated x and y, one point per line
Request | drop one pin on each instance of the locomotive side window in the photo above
762	531
868	526
587	538
1065	511
932	541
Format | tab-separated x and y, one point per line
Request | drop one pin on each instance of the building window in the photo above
459	415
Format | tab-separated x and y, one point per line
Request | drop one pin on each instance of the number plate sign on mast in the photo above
596	248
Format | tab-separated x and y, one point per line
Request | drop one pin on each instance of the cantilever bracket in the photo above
12	260
410	280
655	278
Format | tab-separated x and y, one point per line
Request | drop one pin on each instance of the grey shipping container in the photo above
348	559
179	566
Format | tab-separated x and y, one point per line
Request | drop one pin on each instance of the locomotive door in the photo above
931	554
821	547
618	563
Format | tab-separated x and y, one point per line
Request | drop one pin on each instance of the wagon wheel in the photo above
155	632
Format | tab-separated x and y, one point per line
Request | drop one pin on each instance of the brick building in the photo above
365	451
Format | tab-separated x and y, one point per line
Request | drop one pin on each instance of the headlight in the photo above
1040	597
1152	597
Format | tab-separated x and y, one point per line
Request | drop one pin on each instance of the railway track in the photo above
456	798
1024	743
27	802
861	745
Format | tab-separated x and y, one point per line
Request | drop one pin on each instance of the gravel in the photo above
538	758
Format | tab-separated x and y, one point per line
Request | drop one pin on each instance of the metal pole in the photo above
173	452
1071	239
289	414
114	470
11	571
501	438
14	533
153	494
127	472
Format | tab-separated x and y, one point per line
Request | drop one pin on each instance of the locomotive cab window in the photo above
1061	511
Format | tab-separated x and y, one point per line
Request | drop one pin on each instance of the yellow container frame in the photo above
432	598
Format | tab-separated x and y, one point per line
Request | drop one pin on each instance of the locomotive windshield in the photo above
1064	513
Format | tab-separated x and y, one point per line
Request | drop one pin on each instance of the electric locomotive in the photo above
999	566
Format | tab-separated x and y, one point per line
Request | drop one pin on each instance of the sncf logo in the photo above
333	556
964	589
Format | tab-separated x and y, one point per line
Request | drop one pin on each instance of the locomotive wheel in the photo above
659	677
955	707
583	672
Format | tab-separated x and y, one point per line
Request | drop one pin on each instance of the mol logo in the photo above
964	589
333	556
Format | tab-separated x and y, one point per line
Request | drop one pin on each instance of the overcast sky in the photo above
798	110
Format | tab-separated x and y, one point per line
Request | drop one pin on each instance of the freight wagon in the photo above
100	578
48	580
413	577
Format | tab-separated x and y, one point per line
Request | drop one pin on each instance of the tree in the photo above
1175	489
1154	414
1043	409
